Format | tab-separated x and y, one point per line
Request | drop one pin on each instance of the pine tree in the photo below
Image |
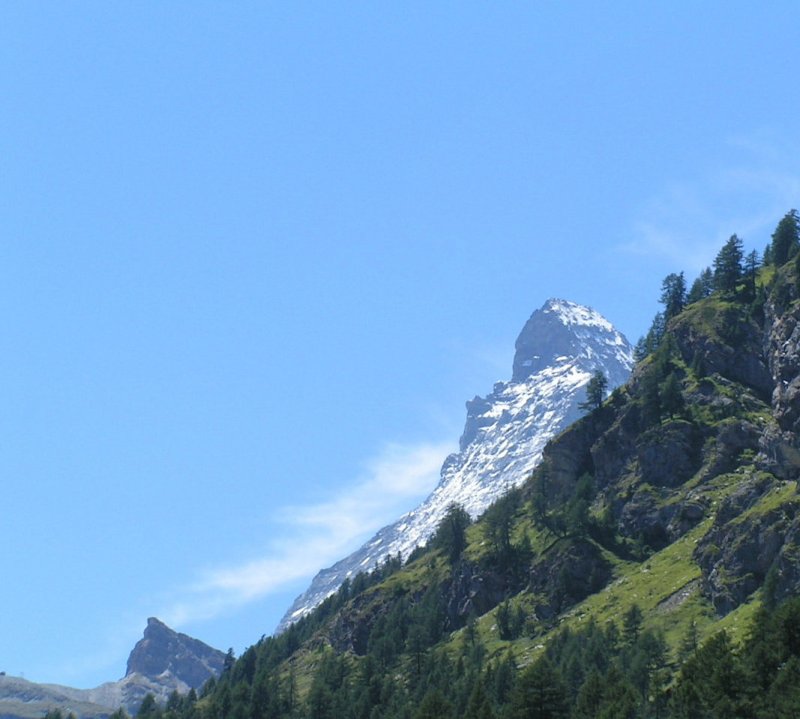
590	697
504	675
632	624
434	705
673	295
702	287
503	619
769	589
751	265
148	709
656	333
671	397
497	523
595	391
786	238
540	693
478	706
619	697
689	643
576	512
711	682
728	266
451	534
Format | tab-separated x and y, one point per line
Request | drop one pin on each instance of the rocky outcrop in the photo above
613	453
740	549
646	517
781	444
569	572
474	591
724	339
669	454
733	437
163	652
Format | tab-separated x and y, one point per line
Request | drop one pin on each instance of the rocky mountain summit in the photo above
559	348
162	662
164	653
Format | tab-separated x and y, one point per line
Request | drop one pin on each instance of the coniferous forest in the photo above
648	568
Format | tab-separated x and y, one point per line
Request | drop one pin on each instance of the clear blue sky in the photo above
256	256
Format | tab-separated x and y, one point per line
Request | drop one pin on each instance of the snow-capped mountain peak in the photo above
570	313
562	331
559	348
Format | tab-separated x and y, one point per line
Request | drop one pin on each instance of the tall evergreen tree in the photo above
540	693
619	697
673	294
590	697
751	265
478	706
497	523
595	391
702	287
451	534
632	624
728	266
786	238
711	683
652	340
671	397
434	705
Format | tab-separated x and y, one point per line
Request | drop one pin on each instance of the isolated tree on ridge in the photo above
673	294
786	238
728	266
595	391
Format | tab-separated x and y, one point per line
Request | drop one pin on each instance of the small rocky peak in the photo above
562	331
164	650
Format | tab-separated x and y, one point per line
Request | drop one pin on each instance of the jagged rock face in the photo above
736	556
669	455
744	544
472	592
163	650
733	350
781	445
565	577
558	350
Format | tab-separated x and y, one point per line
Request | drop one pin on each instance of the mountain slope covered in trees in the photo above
650	566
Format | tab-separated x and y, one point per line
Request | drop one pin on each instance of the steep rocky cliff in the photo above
163	652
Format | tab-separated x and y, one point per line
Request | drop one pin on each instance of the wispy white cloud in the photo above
316	534
687	222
